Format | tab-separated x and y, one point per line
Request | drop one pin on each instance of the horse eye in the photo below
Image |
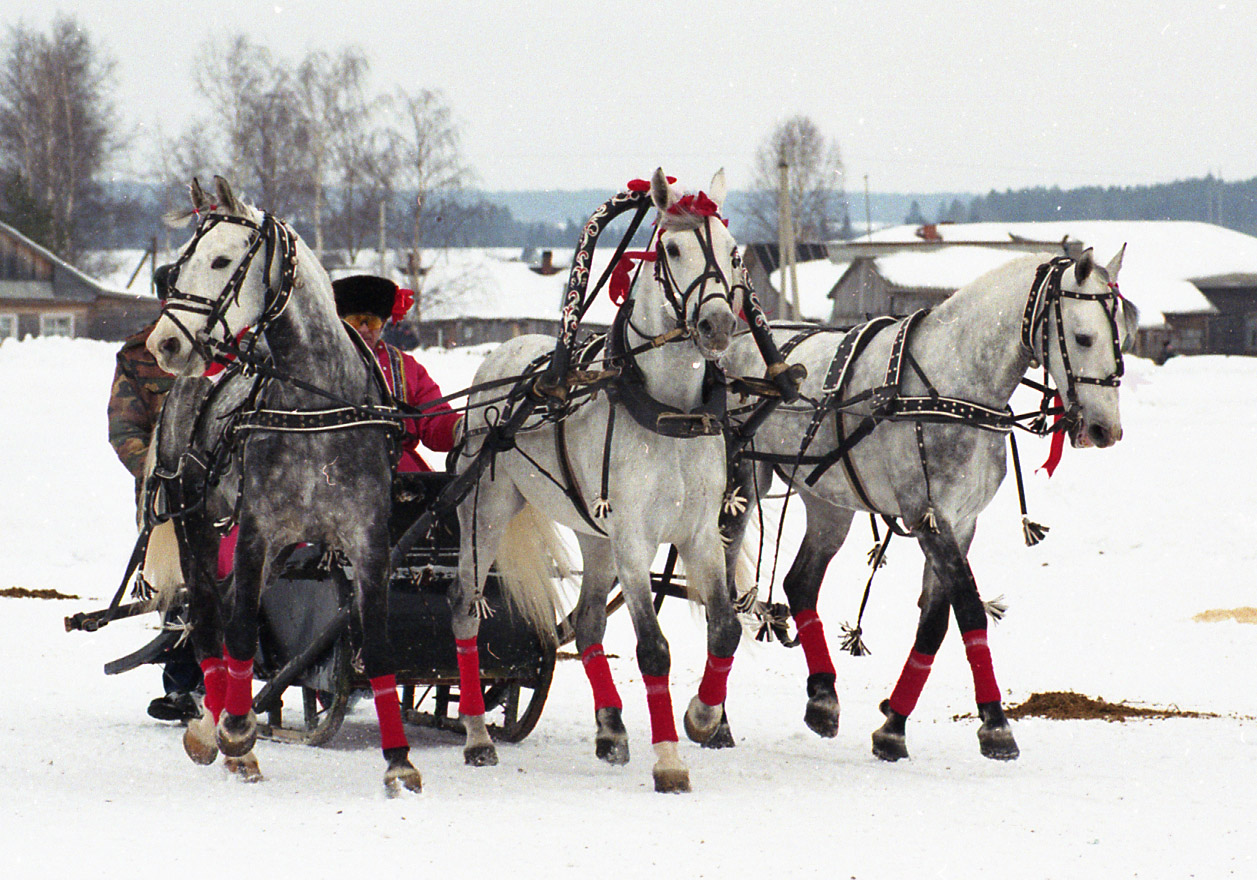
673	250
1084	340
220	263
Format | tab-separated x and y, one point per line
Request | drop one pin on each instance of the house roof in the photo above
1165	265
61	265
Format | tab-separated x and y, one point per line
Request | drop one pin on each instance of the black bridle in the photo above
677	298
1046	295
280	243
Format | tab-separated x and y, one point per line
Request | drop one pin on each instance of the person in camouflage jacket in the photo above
135	401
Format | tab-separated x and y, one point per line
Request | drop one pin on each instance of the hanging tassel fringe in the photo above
996	608
734	504
852	641
602	508
929	521
1034	532
774	623
480	608
877	555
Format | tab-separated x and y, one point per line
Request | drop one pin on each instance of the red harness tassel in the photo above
470	697
715	684
979	654
214	671
663	726
598	671
389	712
904	698
812	638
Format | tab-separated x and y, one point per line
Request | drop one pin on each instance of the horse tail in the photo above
529	578
162	569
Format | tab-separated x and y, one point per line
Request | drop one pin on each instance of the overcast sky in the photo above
920	96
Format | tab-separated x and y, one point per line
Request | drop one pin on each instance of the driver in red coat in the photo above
367	303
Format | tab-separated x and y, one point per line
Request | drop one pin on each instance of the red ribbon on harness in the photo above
699	205
402	301
1058	443
217	367
638	185
621	276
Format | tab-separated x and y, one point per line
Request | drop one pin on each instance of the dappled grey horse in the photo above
309	442
628	470
907	419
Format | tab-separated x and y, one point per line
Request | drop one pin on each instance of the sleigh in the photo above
308	637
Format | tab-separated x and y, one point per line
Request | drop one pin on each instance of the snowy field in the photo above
1144	537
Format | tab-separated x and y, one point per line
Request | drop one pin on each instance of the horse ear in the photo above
1115	264
661	192
718	189
200	201
1083	267
226	198
1130	317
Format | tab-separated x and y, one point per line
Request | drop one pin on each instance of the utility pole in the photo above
383	237
868	212
785	242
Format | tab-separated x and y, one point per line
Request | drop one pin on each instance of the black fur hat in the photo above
364	295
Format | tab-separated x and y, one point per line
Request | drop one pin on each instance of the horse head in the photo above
1084	331
216	288
697	264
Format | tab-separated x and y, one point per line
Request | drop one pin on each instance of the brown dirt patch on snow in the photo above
1246	614
24	593
1067	706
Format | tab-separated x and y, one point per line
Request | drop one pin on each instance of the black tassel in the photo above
852	642
1034	532
1039	425
877	556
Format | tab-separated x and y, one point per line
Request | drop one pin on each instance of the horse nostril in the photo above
170	346
1099	436
704	327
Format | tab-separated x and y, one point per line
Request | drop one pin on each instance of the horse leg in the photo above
610	738
237	725
198	564
889	740
705	567
483	519
995	736
655	662
827	528
370	562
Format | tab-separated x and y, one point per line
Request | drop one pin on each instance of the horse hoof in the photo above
480	756
246	768
995	737
723	737
611	739
237	734
890	740
821	714
701	720
670	773
402	773
199	740
672	781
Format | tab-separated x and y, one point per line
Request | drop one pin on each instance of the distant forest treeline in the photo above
128	214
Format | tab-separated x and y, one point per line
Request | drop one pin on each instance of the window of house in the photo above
1251	326
56	325
1190	339
8	326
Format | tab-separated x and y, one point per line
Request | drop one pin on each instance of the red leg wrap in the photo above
388	712
214	671
663	726
470	697
239	699
812	638
599	674
714	686
979	654
904	698
227	553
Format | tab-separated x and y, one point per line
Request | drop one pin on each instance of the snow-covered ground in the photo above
1144	537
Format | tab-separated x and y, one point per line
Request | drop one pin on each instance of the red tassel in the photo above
621	276
402	301
1058	443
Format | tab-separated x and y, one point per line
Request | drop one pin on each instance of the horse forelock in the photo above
682	220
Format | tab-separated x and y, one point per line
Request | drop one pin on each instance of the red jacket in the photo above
436	431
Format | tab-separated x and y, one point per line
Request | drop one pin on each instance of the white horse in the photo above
624	487
932	393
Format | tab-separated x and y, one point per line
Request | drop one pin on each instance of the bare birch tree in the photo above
815	182
57	129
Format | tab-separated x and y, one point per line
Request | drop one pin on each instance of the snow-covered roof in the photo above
1163	264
